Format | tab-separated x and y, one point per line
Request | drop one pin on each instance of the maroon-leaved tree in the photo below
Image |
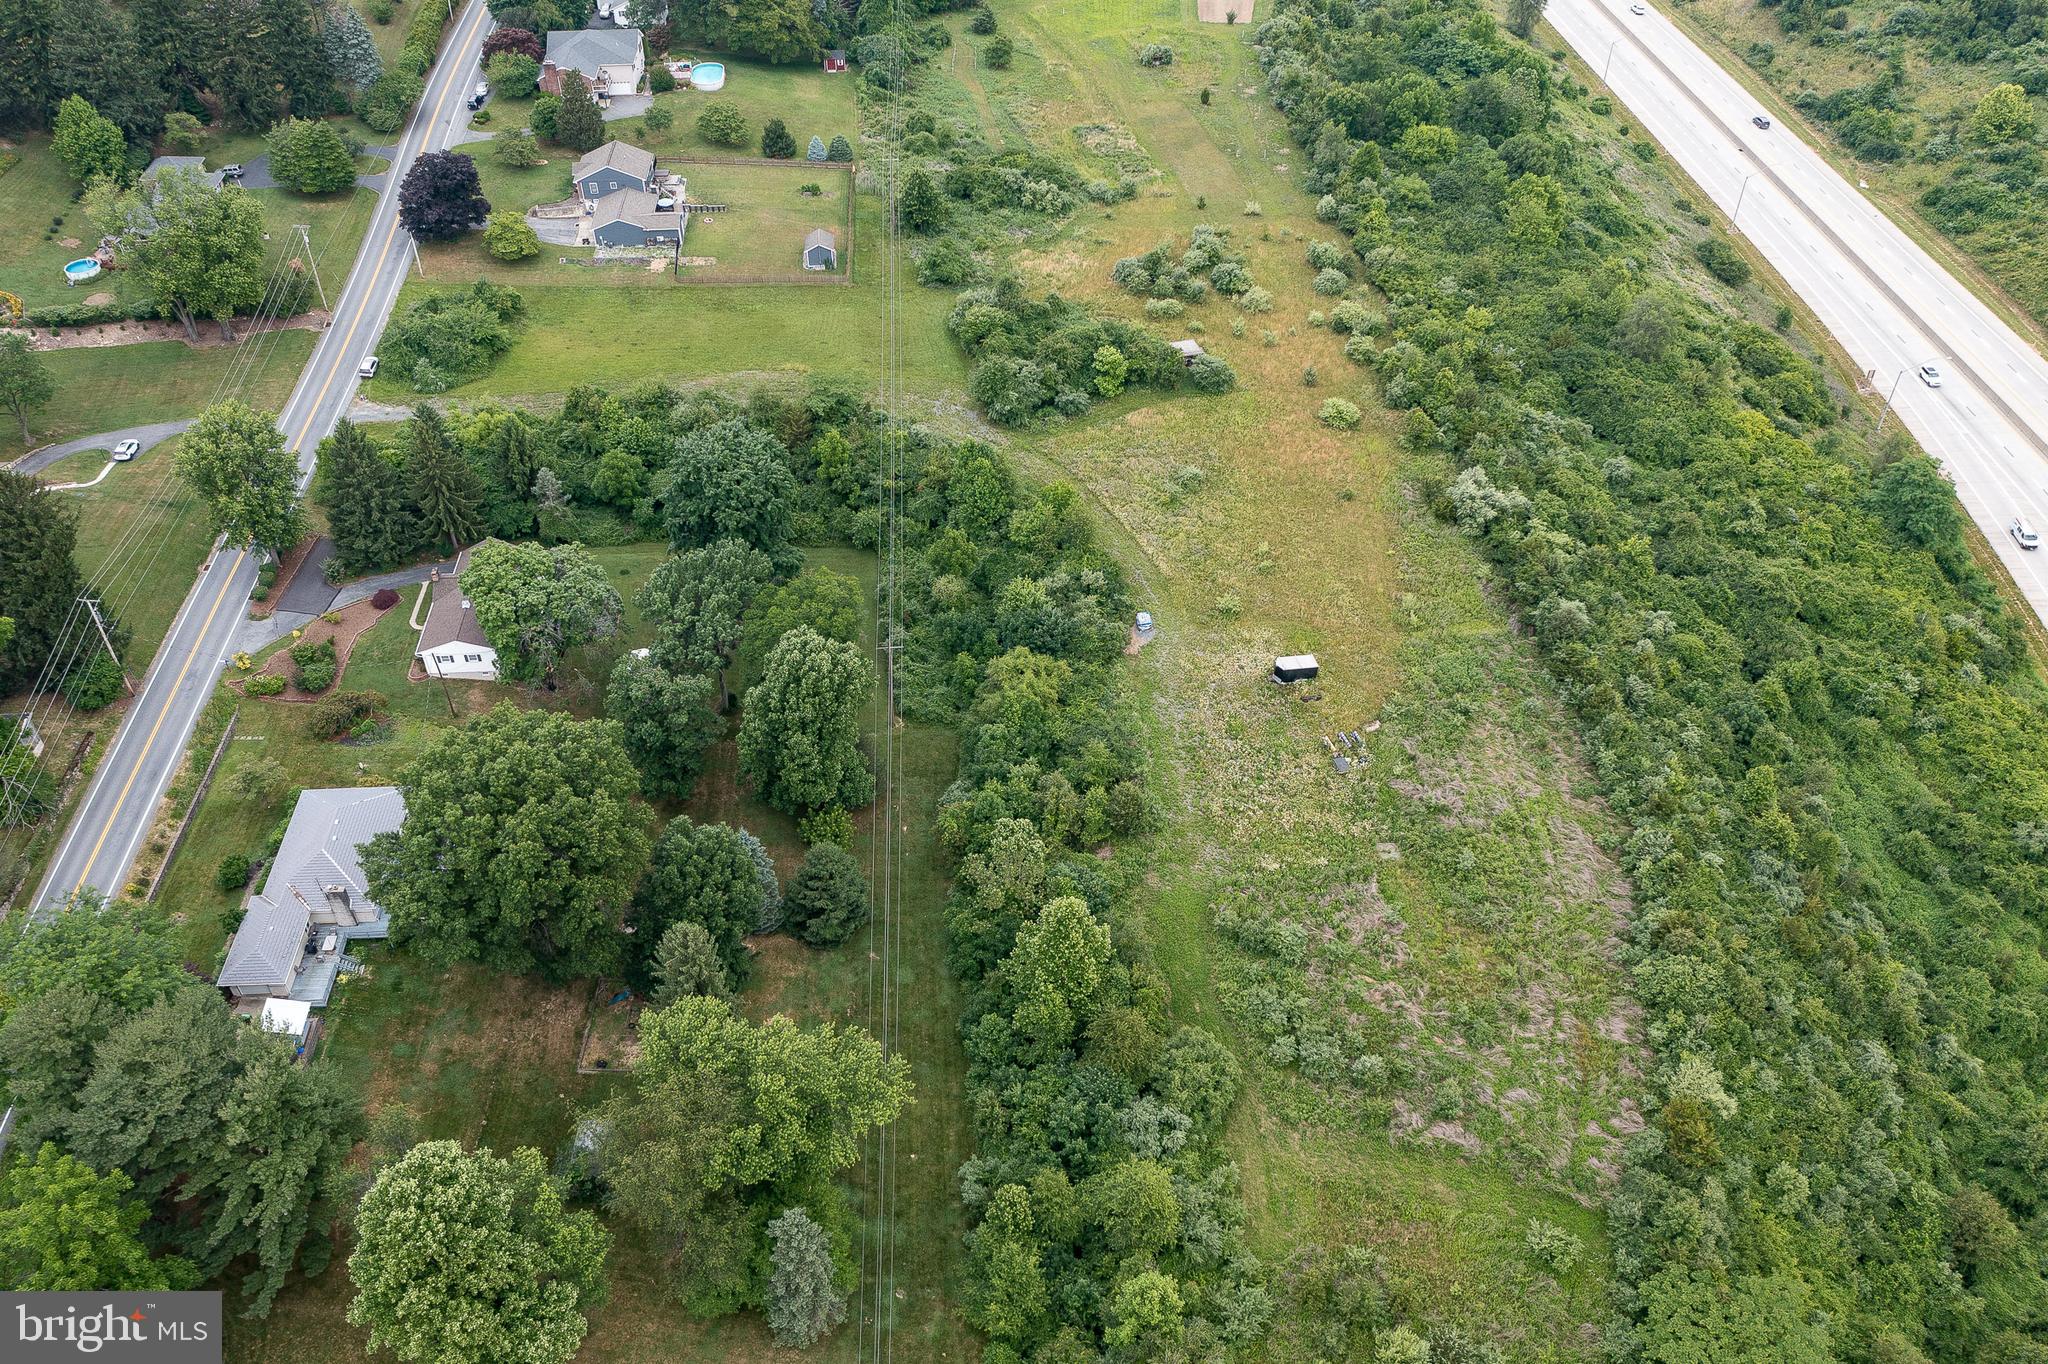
441	197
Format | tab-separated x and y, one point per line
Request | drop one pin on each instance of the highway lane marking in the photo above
424	128
163	713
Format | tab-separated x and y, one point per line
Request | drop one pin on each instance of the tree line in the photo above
1810	705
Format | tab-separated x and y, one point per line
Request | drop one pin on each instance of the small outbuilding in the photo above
1295	668
835	61
452	642
1189	348
286	1016
821	250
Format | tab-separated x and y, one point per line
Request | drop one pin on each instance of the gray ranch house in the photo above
633	217
294	938
614	166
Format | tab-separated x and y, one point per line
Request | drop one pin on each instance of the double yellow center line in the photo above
424	129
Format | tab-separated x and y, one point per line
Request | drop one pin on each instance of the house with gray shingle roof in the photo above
452	642
633	217
614	166
315	900
611	59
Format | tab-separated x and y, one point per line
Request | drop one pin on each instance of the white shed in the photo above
286	1016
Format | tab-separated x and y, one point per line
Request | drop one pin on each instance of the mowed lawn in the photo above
492	1060
141	538
106	388
762	232
645	327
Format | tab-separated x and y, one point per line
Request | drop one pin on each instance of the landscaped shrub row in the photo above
1806	700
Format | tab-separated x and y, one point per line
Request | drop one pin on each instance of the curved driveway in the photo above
154	433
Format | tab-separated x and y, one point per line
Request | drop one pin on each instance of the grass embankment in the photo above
493	1060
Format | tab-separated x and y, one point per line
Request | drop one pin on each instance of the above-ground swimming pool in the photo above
707	76
79	271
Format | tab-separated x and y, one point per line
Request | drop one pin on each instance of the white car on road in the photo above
2023	534
367	369
126	450
1929	376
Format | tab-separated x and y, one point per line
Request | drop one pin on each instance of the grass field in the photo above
109	387
140	529
648	329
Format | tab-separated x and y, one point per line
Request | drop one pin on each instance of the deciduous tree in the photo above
535	604
65	1227
800	737
730	480
520	845
669	719
441	197
197	249
508	238
830	602
90	146
25	382
722	125
920	207
470	1258
702	874
235	460
698	602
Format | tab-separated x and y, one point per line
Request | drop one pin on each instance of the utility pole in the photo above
1609	60
306	243
93	606
1886	410
1737	214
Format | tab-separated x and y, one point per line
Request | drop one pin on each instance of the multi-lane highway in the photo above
120	801
1888	303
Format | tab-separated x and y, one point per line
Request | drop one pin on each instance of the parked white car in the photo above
367	369
126	450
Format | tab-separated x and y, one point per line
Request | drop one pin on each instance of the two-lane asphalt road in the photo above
121	800
1888	303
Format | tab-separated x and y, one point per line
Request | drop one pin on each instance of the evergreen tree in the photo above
686	963
776	141
93	53
370	509
840	150
233	67
28	86
351	53
295	55
827	901
39	578
701	874
444	487
816	151
165	34
803	1301
578	126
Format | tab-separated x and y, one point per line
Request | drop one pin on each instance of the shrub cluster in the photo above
447	338
1794	685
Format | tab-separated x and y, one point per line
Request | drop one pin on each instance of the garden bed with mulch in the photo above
345	627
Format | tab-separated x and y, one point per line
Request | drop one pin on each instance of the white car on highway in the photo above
1929	376
126	450
2023	534
367	369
